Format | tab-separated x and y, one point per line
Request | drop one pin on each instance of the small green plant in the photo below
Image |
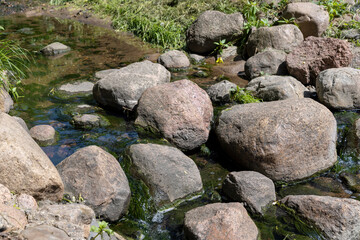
58	2
101	230
242	96
220	46
335	8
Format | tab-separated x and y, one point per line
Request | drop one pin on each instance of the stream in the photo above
94	49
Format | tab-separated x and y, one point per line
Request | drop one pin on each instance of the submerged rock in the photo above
99	178
220	221
337	218
284	140
123	88
181	111
211	27
43	134
273	88
253	188
89	121
24	167
55	49
339	88
174	59
168	172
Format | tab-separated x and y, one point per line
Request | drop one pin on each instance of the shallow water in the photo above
95	49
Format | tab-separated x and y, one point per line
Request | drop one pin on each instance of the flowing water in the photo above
94	49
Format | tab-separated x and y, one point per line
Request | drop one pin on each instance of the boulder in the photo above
26	202
311	18
73	219
44	232
5	195
339	88
252	188
43	134
11	219
22	123
211	27
24	167
195	58
316	54
103	73
337	218
123	88
89	121
181	111
174	59
268	62
273	88
221	92
220	221
6	102
284	140
283	37
99	178
55	49
168	172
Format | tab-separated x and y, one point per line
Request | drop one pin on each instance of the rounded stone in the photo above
174	59
43	134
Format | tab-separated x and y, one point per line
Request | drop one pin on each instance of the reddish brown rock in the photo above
337	218
220	221
316	54
181	111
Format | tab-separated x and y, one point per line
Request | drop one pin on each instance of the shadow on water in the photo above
94	49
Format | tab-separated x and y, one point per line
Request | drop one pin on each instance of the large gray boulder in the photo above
73	219
181	111
316	54
211	27
269	62
99	178
168	172
282	37
220	221
123	88
311	18
337	218
273	88
252	188
284	140
339	88
24	167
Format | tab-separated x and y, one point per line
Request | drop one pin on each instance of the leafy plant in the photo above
101	230
241	95
335	8
220	46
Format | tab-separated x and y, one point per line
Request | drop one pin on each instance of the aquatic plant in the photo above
241	95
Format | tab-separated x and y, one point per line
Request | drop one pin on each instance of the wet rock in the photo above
273	88
211	27
24	167
271	62
283	37
103	73
316	54
6	102
99	178
55	49
220	221
231	71
73	219
174	59
44	232
280	139
11	219
221	92
89	121
5	195
168	172
195	58
77	88
311	18
123	88
339	88
337	218
181	111
26	202
253	188
43	134
352	181
22	123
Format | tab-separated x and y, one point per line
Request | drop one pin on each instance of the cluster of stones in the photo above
287	137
